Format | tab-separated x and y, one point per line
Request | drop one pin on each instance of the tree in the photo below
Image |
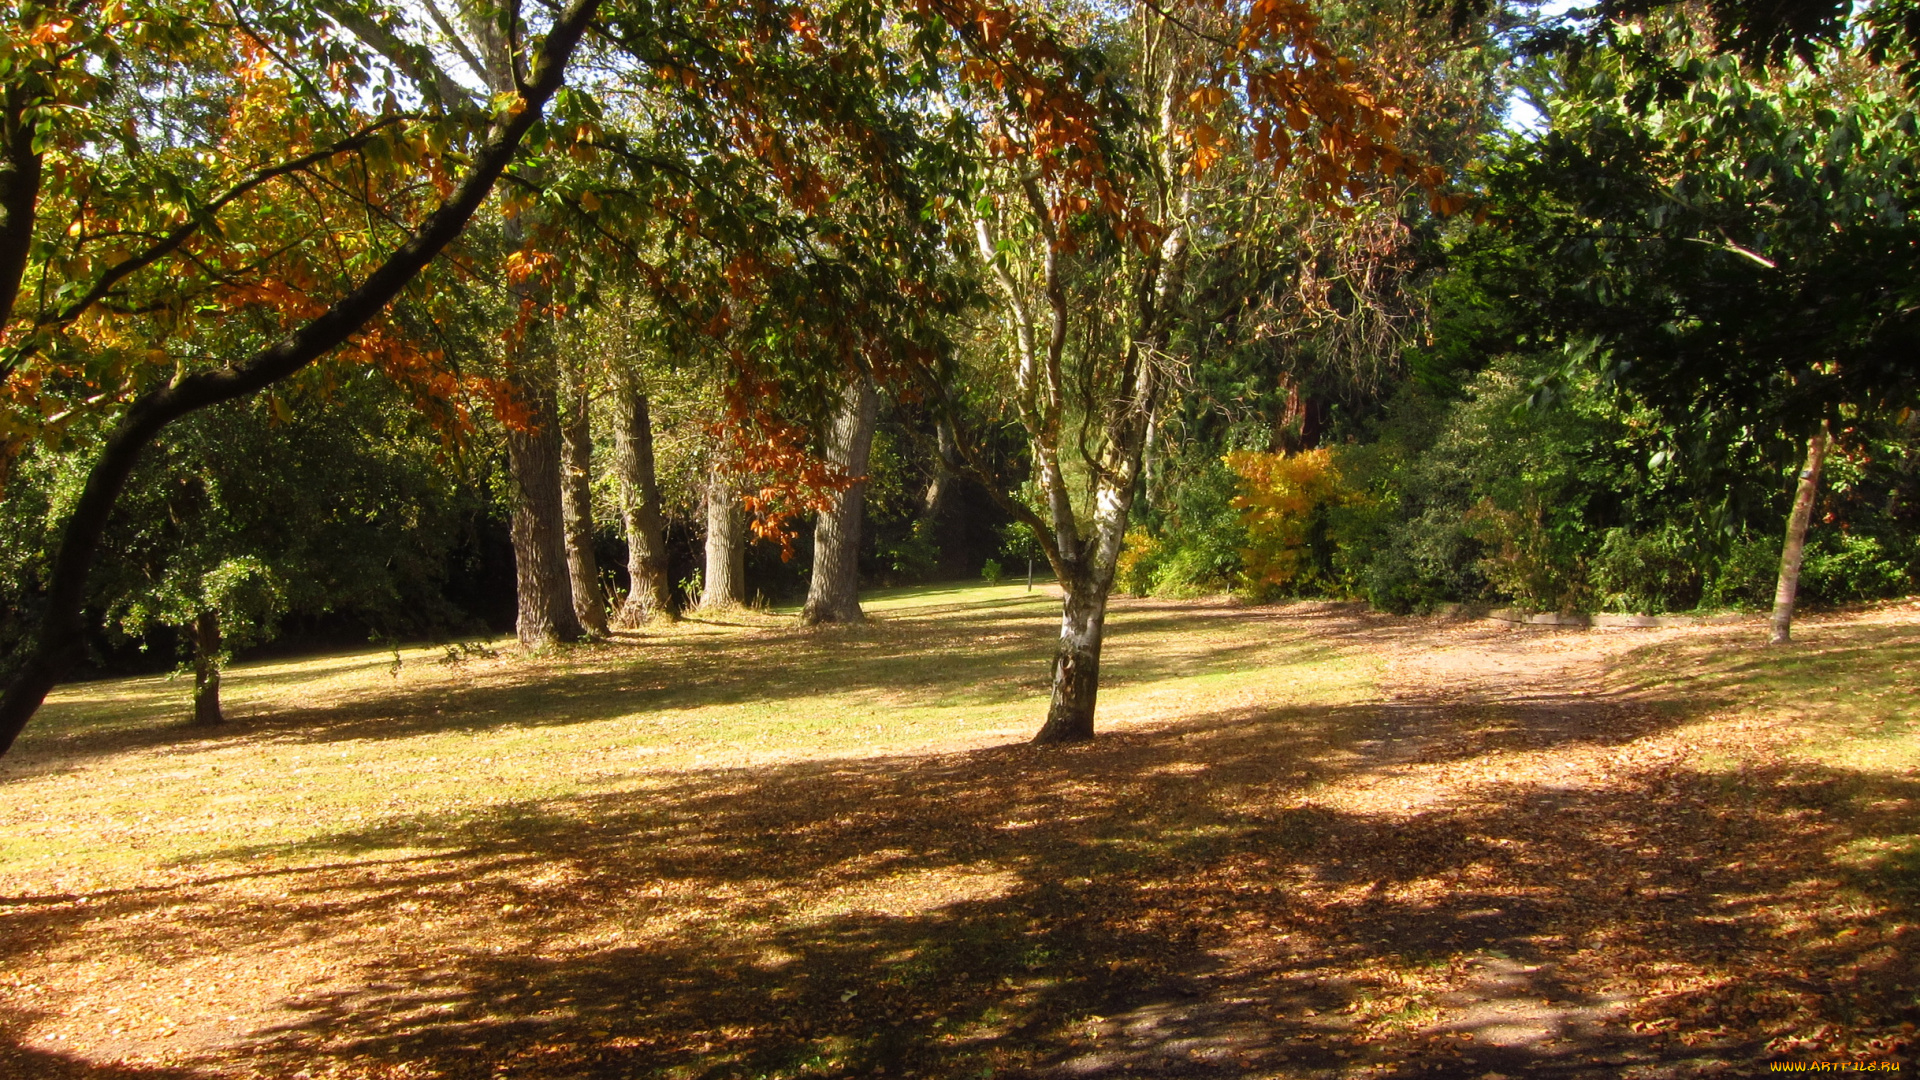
1083	223
311	502
554	575
1794	550
833	593
542	577
583	566
650	593
1732	246
723	579
56	638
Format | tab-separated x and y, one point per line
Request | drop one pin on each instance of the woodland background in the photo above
1480	303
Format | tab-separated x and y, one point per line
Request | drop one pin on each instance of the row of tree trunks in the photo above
724	579
576	509
556	571
651	594
833	592
543	583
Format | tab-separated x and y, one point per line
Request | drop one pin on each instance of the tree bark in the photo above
833	593
1788	589
945	473
58	636
542	583
724	579
20	171
576	509
650	594
1076	666
1087	583
206	669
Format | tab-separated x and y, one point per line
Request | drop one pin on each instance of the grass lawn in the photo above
1310	842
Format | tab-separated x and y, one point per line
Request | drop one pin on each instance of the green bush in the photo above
1189	572
1526	560
914	557
1843	566
1744	575
1647	573
1194	547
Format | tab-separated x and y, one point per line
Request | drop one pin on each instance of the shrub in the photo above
1139	562
913	557
1647	573
993	572
1284	503
1745	575
1525	560
1848	566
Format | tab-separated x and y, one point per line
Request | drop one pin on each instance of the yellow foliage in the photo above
1281	496
1133	571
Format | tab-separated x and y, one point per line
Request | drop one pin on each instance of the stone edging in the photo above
1515	616
1512	615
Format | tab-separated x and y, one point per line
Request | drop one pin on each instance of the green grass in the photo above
1852	688
109	782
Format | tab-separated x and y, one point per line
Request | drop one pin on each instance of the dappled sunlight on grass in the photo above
332	741
1311	842
1851	689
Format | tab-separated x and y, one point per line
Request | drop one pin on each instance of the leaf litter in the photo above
1314	842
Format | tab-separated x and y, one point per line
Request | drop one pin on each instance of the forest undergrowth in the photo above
1313	841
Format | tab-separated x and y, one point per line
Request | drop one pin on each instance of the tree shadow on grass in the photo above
34	1063
1167	902
1723	669
975	660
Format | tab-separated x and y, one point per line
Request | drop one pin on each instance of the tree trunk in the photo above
206	669
20	171
833	593
945	473
576	488
1076	666
724	579
651	593
1788	589
539	535
58	637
